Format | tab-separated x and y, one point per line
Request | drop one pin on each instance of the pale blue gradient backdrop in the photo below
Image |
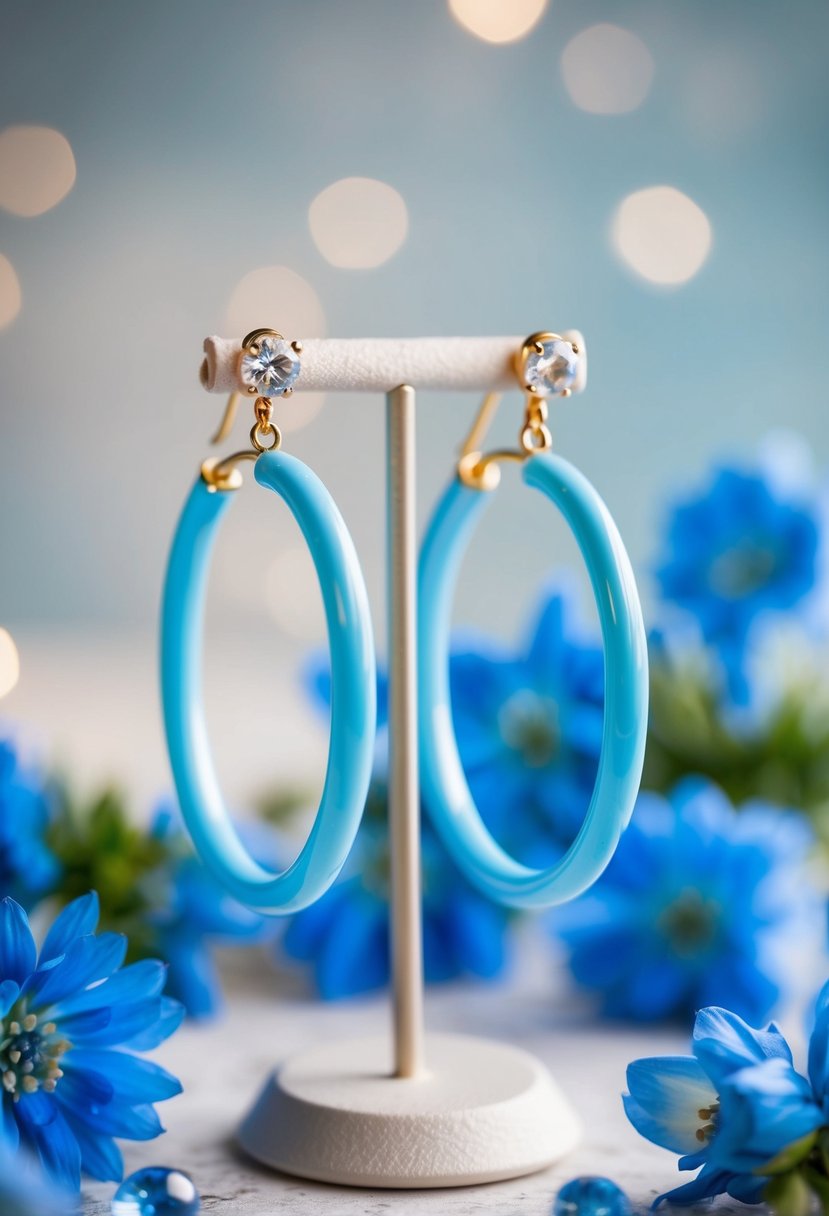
201	133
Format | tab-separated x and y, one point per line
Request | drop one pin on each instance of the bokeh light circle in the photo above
37	169
9	663
277	297
662	234
498	20
358	223
607	69
10	297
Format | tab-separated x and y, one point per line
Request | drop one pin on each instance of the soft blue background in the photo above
201	133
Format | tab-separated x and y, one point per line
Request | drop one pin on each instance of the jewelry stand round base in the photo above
483	1112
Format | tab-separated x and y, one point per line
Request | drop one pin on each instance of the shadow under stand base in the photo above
481	1112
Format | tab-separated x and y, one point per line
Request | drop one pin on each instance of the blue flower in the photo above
731	1108
742	549
700	905
28	869
71	1021
528	723
345	935
188	913
529	729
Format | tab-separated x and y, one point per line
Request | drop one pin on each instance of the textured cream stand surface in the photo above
479	1111
377	365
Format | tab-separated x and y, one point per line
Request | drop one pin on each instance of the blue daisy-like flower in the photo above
737	1109
28	868
528	723
72	1021
529	728
742	549
700	905
345	935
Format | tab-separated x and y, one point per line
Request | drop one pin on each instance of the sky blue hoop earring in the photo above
547	365
269	366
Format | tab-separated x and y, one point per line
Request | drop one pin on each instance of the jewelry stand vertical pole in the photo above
406	1110
404	791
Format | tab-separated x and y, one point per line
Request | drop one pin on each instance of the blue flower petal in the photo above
138	982
193	977
136	1081
478	928
819	1050
165	1020
18	953
9	1131
88	960
100	1156
116	1119
724	1043
709	1182
9	992
80	1026
763	1109
83	1088
55	1142
355	956
306	931
118	1027
747	1188
666	1096
78	919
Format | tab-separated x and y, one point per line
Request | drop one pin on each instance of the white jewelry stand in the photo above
406	1111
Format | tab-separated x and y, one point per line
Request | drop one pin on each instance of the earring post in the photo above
404	788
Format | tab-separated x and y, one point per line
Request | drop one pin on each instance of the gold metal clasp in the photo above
479	470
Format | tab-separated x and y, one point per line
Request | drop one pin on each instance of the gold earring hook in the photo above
228	418
479	470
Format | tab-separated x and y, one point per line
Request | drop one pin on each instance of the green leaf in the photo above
789	1194
819	1183
790	1156
823	1148
281	805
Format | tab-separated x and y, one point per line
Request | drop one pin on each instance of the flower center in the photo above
529	724
709	1115
690	922
29	1055
741	571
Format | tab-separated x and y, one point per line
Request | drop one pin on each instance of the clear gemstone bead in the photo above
156	1191
553	370
590	1196
272	369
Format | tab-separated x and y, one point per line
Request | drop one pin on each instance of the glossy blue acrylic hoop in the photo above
445	789
353	700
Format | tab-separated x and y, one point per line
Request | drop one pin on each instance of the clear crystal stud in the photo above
271	369
551	370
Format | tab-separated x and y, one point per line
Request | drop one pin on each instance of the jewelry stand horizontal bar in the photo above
378	365
408	1110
